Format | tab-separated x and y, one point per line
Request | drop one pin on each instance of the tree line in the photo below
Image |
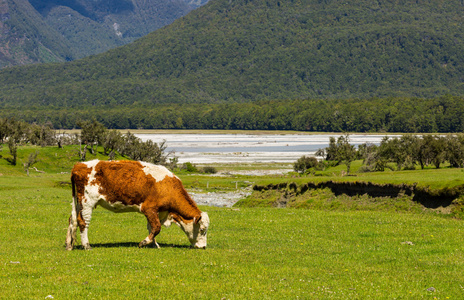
405	152
92	135
443	114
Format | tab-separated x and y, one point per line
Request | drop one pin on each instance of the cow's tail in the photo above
72	229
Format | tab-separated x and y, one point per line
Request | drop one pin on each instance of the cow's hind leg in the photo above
154	227
72	228
72	233
83	220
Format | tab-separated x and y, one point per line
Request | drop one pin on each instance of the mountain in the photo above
50	31
26	38
247	50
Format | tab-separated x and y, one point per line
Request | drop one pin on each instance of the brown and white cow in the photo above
130	186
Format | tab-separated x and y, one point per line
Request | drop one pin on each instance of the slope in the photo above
39	31
265	49
26	38
95	26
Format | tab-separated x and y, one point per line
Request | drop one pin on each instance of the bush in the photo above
209	170
304	163
189	167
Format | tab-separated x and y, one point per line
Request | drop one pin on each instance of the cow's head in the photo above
197	230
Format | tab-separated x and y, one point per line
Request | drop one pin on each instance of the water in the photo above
248	148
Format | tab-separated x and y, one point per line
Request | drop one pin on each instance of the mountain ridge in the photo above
249	50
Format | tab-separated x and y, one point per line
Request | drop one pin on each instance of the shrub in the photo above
209	170
304	163
189	167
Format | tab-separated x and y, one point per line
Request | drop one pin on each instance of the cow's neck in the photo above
185	210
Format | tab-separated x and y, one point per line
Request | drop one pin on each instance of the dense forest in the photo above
261	50
441	114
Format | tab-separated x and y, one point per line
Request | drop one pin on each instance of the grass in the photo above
253	253
259	253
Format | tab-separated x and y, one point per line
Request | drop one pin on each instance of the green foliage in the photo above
149	151
339	151
257	50
31	160
13	147
209	170
444	114
189	167
305	163
458	208
92	132
404	152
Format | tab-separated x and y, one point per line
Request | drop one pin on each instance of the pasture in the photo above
253	253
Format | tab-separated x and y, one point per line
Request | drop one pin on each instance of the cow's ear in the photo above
196	221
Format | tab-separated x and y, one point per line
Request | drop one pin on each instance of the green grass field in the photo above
253	253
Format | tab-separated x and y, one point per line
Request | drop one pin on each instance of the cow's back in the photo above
127	183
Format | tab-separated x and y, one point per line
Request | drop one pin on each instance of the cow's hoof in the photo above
69	247
142	244
87	247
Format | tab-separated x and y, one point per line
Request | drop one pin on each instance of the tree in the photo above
432	150
32	159
372	161
339	150
134	148
91	133
111	140
346	153
42	135
15	133
13	147
455	150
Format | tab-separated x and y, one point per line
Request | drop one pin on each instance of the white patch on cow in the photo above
85	239
157	172
92	194
196	233
91	163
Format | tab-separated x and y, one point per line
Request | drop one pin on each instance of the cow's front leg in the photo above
154	227
154	244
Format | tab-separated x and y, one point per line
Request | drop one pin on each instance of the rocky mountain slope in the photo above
50	30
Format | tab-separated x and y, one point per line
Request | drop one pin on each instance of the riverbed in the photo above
248	148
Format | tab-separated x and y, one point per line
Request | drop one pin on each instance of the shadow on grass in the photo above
131	245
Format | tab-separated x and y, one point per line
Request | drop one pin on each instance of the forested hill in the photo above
34	31
246	50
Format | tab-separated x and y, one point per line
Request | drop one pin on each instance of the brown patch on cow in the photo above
80	178
126	182
172	189
80	221
123	182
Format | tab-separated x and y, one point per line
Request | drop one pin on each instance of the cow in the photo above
133	186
